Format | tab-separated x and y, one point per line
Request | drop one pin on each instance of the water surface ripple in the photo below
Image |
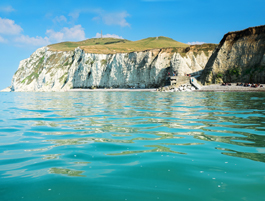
132	146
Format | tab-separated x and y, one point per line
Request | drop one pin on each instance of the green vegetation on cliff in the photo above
35	73
112	45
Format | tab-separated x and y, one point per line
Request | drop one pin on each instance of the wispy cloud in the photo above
9	27
196	43
59	19
98	35
117	18
6	9
75	14
108	18
97	18
2	40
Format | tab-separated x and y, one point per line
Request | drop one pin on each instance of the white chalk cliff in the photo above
47	70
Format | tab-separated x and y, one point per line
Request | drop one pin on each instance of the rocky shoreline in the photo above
181	88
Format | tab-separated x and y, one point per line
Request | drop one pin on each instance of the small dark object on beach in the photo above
255	85
247	85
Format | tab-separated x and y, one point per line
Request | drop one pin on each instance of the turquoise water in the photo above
113	146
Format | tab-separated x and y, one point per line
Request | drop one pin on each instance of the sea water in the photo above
115	146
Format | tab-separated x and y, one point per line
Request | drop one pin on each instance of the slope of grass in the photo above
112	45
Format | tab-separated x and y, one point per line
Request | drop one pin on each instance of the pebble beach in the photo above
233	87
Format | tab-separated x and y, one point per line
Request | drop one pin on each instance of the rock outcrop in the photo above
8	89
240	57
47	70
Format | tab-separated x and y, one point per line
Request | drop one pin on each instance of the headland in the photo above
106	63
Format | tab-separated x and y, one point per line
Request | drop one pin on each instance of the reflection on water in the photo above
104	134
158	148
68	172
253	156
51	156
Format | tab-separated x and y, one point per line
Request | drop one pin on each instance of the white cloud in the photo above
35	41
98	35
8	26
59	19
196	43
55	36
2	40
6	9
76	33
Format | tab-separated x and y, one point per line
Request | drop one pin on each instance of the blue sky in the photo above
28	25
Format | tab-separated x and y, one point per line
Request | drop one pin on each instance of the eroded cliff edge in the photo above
239	57
47	70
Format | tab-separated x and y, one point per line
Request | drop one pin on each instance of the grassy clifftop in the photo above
113	45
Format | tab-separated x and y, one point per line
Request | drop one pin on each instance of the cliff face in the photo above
47	70
240	57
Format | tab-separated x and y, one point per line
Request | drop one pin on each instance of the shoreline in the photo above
208	88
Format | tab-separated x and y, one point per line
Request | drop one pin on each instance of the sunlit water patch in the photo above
132	146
